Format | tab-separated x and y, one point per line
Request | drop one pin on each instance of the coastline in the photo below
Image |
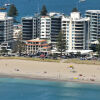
57	73
47	79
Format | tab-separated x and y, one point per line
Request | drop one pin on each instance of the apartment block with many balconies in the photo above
76	30
94	30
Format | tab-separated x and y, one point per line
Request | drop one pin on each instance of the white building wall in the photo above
7	31
45	27
75	30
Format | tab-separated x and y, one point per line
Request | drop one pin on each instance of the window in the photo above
42	22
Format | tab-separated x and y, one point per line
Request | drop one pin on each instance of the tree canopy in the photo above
44	11
74	10
98	47
19	45
4	51
13	12
61	43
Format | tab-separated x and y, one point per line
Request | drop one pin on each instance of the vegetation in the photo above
32	59
98	48
54	56
78	54
61	43
13	12
75	10
43	11
19	46
77	61
4	51
93	47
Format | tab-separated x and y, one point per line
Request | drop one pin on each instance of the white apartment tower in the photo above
76	30
45	27
94	16
6	27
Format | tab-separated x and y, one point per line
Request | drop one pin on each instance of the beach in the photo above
50	70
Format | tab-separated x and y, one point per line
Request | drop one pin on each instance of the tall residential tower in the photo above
94	16
76	30
6	28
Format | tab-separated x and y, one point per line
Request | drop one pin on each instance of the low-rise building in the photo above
35	46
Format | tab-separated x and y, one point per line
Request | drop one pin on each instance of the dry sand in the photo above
49	70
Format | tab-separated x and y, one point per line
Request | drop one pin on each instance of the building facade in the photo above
27	28
43	27
55	26
76	31
94	16
6	28
35	46
17	32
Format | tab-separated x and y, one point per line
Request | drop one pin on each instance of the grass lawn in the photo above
77	61
34	59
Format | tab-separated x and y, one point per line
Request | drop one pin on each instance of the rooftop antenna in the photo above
38	6
78	2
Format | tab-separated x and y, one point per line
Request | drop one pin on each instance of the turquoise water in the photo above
22	89
29	7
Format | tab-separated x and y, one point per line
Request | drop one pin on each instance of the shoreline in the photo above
48	79
51	71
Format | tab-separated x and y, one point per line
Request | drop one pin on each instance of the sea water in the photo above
30	7
26	89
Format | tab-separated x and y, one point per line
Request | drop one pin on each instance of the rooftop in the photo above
93	11
36	40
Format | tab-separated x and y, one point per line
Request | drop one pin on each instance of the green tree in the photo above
75	10
19	45
78	54
13	12
43	11
3	51
98	47
61	43
54	56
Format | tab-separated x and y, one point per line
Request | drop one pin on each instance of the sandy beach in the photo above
50	70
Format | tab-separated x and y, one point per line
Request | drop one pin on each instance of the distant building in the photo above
76	30
5	46
6	28
55	26
17	31
45	27
35	46
94	16
27	28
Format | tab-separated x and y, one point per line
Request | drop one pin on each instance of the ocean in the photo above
29	7
26	89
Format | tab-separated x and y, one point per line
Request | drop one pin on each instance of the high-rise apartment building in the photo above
6	28
45	27
27	28
55	26
94	16
76	30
